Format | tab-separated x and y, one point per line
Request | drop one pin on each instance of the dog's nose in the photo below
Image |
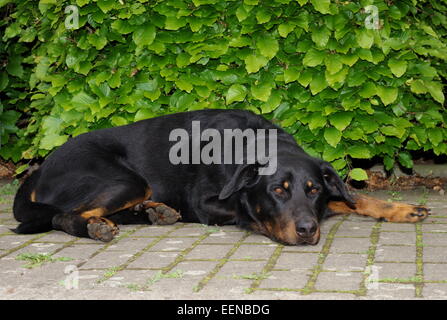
306	228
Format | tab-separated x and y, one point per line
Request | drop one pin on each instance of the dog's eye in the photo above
314	191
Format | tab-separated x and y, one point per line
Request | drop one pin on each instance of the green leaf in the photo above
435	89
261	91
365	38
144	35
3	81
285	28
359	152
397	67
272	103
318	83
368	90
341	120
291	74
333	64
14	66
435	135
358	174
320	35
314	58
418	86
305	77
321	5
405	159
268	46
106	5
254	62
236	92
52	140
144	114
317	120
387	94
332	136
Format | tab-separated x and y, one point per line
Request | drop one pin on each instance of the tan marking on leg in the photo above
391	211
33	196
98	212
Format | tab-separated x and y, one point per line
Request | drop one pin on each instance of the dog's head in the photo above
288	205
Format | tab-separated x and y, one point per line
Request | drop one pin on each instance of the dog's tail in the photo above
35	217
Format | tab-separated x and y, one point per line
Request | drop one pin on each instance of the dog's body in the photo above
106	173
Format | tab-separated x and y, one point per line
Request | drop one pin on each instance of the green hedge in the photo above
311	66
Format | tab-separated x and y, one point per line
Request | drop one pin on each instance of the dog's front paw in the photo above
102	229
408	213
162	214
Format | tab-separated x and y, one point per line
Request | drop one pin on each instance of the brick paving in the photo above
357	258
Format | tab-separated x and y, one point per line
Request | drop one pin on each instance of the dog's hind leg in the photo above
89	220
380	209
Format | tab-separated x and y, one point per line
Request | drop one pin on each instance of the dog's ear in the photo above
245	176
334	184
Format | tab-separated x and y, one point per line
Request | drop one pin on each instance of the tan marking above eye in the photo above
286	184
309	184
279	190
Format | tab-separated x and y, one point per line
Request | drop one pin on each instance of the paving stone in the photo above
257	238
436	272
13	241
436	291
350	245
353	229
57	236
209	251
253	252
435	239
106	260
296	261
306	247
436	228
435	254
134	280
393	291
79	253
173	244
339	281
345	262
153	231
393	271
396	253
395	238
235	269
404	227
231	287
131	245
154	260
224	237
295	279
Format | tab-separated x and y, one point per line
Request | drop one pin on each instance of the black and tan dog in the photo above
123	175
